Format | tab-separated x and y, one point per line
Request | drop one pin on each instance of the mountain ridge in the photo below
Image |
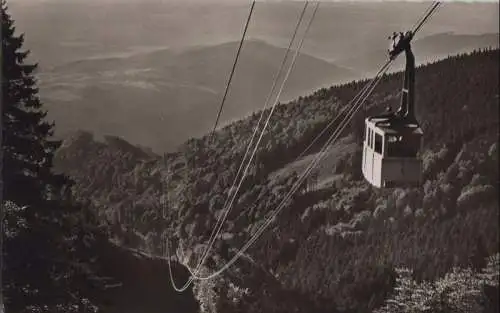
181	90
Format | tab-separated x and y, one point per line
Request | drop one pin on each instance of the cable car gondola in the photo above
393	141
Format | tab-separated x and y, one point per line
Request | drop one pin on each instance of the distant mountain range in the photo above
161	98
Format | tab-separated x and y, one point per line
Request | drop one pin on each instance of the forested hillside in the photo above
339	245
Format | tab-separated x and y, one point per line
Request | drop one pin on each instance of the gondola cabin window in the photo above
368	137
394	146
378	143
367	134
371	139
403	146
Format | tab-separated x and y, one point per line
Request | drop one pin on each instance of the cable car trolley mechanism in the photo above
393	140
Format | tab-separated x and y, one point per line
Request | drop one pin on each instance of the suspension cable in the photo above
226	208
267	101
231	74
232	71
296	186
336	117
434	7
228	84
332	138
345	118
268	119
429	8
429	12
324	149
218	227
276	102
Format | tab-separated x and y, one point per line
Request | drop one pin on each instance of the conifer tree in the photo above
27	145
39	273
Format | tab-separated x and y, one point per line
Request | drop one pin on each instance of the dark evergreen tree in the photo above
27	145
44	244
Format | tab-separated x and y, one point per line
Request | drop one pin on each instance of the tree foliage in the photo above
461	290
48	238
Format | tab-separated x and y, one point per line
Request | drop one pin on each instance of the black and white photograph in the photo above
240	156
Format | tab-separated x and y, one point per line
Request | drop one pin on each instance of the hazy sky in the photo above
93	28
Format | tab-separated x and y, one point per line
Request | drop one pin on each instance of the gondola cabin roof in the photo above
386	127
